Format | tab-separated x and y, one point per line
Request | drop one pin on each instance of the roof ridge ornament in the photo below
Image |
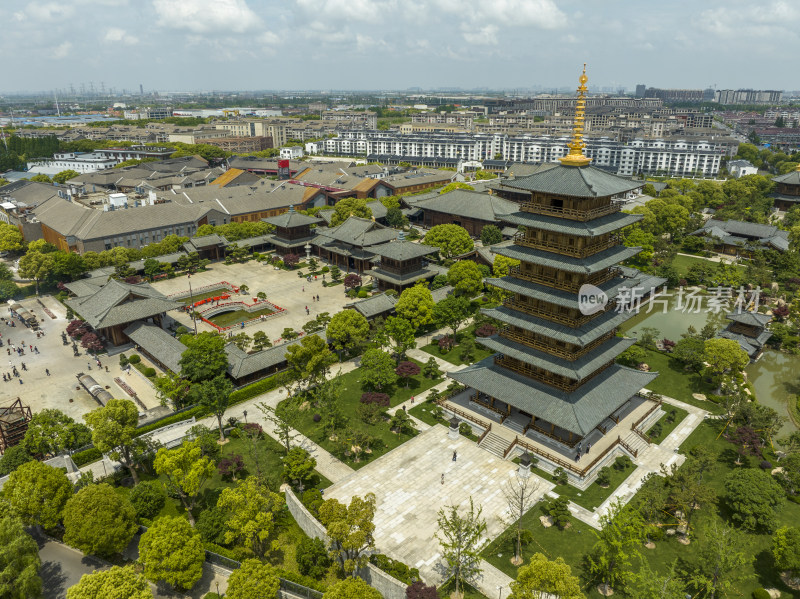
575	156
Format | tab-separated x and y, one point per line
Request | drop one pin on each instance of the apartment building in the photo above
748	96
460	119
351	118
81	162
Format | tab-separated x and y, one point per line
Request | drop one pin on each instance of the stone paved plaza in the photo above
40	391
283	288
407	485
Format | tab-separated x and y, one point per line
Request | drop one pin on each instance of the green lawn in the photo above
573	544
683	263
453	355
594	494
349	402
196	297
226	319
675	381
423	412
667	423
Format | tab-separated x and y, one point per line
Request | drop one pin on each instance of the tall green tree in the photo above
36	266
452	240
253	580
401	332
350	530
459	537
621	531
37	493
65	176
351	588
10	238
215	395
113	431
204	358
648	584
310	360
724	355
51	431
786	550
491	234
544	576
720	560
98	520
172	551
452	312
754	497
465	277
348	330
348	207
187	472
14	457
251	509
416	306
377	370
19	561
115	583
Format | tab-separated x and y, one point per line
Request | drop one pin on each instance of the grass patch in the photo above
594	494
574	543
349	402
453	356
424	412
226	319
667	423
675	381
196	297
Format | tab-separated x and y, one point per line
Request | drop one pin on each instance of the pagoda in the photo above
555	372
787	190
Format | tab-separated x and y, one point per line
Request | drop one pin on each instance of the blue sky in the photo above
396	44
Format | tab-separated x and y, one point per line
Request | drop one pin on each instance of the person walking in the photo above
455	455
442	472
47	370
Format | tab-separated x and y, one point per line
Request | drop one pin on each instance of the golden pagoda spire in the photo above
575	156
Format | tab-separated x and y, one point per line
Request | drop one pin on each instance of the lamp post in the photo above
191	300
500	594
245	416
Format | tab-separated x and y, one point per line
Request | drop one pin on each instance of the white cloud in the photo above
207	16
371	11
778	19
62	50
485	36
117	35
48	11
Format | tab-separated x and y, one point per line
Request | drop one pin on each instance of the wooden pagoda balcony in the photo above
593	279
560	248
561	352
572	213
571	321
547	377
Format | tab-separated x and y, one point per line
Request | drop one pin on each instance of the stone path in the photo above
408	486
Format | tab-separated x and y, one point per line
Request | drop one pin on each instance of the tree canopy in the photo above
204	358
187	470
377	370
465	277
350	529
51	431
113	429
251	509
172	551
452	240
253	580
348	207
753	496
37	493
451	312
460	538
542	575
491	234
724	354
310	360
19	561
114	583
416	306
348	329
98	520
10	238
351	588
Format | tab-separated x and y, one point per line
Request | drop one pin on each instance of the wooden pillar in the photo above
491	401
570	436
552	428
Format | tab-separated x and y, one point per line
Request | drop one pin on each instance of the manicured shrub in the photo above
135	359
486	330
149	372
560	476
765	465
465	429
211	526
363	293
372	397
604	476
761	594
317	418
312	558
86	457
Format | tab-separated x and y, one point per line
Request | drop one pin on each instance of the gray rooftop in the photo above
375	305
579	411
470	204
290	219
598	226
754	319
158	343
355	231
588	265
119	303
580	182
403	250
241	364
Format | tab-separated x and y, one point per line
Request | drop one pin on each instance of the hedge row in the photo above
196	411
257	388
86	456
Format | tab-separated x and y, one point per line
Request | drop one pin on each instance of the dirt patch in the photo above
546	521
650	545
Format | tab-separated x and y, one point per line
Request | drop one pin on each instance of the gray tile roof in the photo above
241	364
754	319
417	275
470	204
158	343
746	343
290	219
579	411
580	182
403	250
588	265
742	229
375	305
576	370
790	178
119	303
205	241
581	336
553	295
598	226
355	231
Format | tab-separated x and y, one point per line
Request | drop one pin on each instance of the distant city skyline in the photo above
194	45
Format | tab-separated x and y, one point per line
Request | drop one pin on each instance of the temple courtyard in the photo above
407	483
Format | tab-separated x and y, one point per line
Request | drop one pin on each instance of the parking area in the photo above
283	288
61	389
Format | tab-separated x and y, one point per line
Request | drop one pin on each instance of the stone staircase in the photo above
494	444
636	443
515	426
